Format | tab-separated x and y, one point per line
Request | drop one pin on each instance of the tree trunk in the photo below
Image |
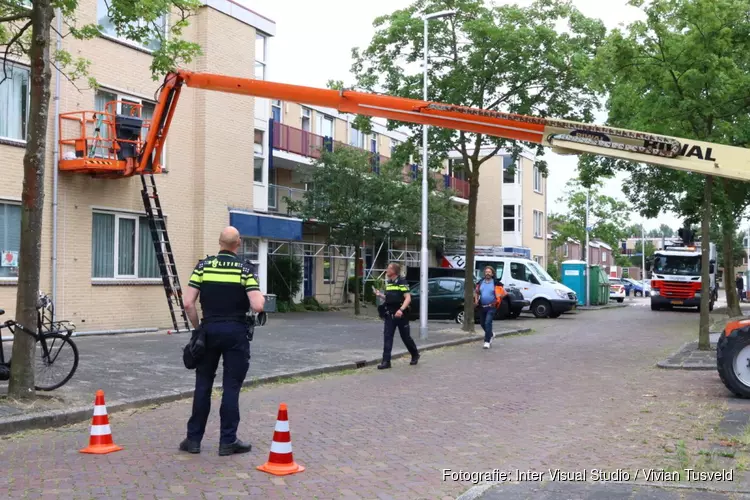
733	301
22	368
357	270
703	338
471	230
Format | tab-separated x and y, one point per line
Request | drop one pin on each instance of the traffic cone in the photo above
100	441
280	459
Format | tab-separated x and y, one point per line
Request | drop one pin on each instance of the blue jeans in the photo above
486	315
228	340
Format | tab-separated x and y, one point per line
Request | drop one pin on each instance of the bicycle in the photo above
52	339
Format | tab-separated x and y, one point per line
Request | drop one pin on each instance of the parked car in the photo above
638	288
446	301
616	290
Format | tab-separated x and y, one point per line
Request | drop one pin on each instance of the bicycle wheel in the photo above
58	366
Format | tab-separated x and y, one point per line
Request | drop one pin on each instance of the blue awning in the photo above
260	226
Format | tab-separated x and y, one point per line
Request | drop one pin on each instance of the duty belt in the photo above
224	319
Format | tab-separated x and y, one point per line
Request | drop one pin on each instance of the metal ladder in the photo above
164	253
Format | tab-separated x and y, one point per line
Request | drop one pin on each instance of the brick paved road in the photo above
581	392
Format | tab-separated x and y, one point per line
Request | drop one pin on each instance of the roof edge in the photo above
238	11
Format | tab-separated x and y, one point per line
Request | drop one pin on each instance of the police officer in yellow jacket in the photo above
228	289
396	302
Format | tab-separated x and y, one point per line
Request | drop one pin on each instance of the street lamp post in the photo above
588	263
423	263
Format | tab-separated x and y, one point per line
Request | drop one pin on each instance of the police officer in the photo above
397	299
228	289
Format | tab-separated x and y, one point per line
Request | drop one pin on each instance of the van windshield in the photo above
541	273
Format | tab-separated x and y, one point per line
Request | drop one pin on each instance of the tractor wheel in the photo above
733	359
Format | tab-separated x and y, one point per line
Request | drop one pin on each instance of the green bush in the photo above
284	278
312	304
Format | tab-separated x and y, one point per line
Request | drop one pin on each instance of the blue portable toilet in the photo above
574	277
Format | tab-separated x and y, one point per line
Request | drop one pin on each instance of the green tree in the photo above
506	57
608	217
26	33
684	71
357	199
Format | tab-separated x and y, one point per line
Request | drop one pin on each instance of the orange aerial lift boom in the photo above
564	137
118	148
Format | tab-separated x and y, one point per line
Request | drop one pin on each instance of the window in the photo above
102	14
102	97
394	145
259	159
14	103
604	256
539	260
325	125
10	239
329	269
250	249
272	189
520	272
538	223
306	118
537	180
276	110
509	219
357	138
374	143
457	169
122	247
497	266
509	177
260	57
446	287
565	249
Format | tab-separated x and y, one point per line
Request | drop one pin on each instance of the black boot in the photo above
384	365
415	359
236	447
190	446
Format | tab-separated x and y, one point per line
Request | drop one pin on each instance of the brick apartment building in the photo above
105	269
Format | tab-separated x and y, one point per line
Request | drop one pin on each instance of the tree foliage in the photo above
608	217
26	35
360	200
506	58
684	71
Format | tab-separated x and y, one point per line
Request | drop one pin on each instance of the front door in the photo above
309	275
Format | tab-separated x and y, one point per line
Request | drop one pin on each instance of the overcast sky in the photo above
313	44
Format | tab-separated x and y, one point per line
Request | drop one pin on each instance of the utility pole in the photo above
588	267
643	252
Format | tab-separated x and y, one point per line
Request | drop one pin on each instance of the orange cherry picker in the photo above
121	151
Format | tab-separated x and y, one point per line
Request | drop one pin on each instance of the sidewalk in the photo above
134	369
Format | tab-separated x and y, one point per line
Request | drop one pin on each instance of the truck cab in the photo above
676	277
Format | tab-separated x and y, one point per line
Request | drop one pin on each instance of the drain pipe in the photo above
56	158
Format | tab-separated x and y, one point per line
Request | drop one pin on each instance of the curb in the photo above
666	365
58	418
600	308
476	491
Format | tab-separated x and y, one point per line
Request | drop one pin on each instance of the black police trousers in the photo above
389	331
228	340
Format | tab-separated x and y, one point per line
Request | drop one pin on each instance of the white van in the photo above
547	297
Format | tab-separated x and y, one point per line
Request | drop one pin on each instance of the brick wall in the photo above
210	141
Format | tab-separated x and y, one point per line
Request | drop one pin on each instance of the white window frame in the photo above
257	243
119	215
119	96
10	279
353	131
322	117
539	260
261	61
565	249
374	140
537	180
280	107
272	191
512	217
306	114
394	145
261	155
516	173
519	222
13	65
603	254
114	37
538	223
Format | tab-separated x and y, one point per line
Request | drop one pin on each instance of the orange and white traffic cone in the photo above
100	441
281	460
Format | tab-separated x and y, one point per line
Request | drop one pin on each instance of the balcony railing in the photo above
302	142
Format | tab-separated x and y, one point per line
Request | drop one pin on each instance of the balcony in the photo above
276	198
295	140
